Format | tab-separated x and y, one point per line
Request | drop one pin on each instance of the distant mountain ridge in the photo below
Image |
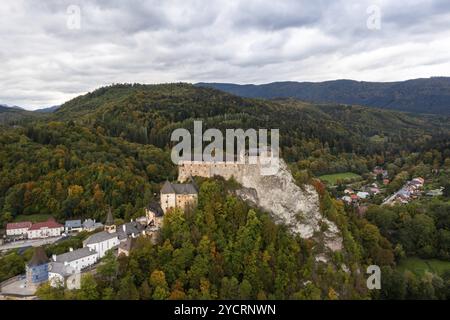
51	109
48	110
12	115
5	106
427	95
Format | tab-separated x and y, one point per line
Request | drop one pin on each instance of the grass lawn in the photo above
420	266
33	218
345	176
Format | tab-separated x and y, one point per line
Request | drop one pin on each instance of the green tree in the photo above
88	290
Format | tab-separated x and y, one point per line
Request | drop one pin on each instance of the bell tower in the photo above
110	227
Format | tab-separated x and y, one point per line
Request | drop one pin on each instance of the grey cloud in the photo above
44	63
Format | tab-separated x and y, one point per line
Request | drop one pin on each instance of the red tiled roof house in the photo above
46	229
17	228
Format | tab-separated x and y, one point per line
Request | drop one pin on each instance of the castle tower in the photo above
37	267
178	195
110	226
167	197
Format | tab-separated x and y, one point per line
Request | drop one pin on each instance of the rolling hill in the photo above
430	95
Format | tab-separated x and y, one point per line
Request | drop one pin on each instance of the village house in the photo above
61	275
101	242
126	246
77	259
178	195
363	195
73	226
131	229
348	191
18	228
374	190
436	192
90	225
347	199
64	268
46	229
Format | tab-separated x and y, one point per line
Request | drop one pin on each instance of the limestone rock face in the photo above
296	207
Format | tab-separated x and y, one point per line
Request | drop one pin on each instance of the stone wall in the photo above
211	169
186	200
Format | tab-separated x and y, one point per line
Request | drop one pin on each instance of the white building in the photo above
347	199
60	275
64	270
18	228
46	229
77	259
363	195
101	242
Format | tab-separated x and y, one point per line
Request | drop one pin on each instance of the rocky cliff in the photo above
296	207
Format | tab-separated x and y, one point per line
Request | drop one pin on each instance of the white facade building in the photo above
363	195
65	269
77	259
101	242
18	228
60	275
46	229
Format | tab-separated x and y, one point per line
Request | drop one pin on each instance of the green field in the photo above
420	266
32	218
344	176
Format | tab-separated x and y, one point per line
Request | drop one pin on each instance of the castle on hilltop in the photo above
252	160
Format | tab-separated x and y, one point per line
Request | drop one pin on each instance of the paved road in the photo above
19	288
28	243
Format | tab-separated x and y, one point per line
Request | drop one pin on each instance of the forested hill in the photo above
430	95
112	146
149	113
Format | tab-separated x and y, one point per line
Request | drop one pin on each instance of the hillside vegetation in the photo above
111	147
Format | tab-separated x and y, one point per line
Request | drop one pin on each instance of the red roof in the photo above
51	224
18	225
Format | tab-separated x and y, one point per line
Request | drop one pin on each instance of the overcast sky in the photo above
50	54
